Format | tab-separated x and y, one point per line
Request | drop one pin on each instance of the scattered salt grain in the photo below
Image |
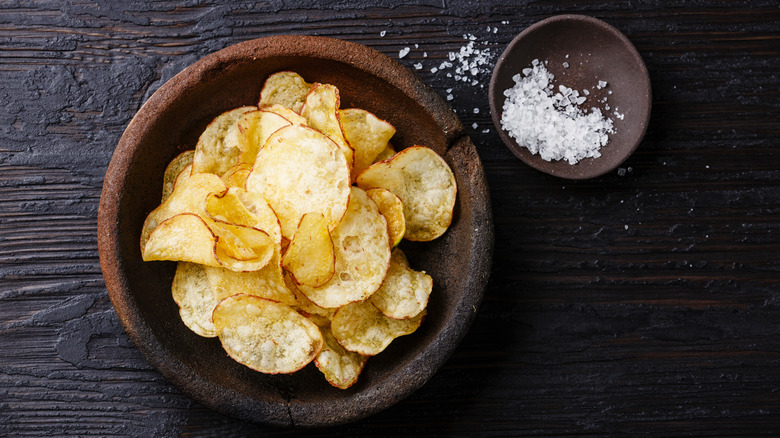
476	110
403	52
552	125
485	131
450	97
565	65
474	125
418	66
383	33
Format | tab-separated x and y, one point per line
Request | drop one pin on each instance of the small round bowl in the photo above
171	121
596	52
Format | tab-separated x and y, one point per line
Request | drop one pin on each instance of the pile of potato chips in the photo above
284	222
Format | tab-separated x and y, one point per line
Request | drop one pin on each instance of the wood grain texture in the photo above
646	301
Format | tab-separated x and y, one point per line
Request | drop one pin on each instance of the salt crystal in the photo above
553	126
485	131
450	97
434	70
425	54
476	110
416	46
474	125
403	52
567	56
565	65
418	66
383	33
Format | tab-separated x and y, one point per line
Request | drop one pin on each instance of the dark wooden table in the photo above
646	301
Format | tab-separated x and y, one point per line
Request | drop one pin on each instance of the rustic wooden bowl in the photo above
171	121
596	51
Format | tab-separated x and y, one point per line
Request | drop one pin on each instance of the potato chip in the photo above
284	88
367	134
309	258
287	113
236	175
195	297
237	206
251	131
319	315
212	153
299	171
404	293
392	209
267	283
241	248
188	237
188	196
362	328
386	153
266	336
361	245
340	367
183	237
174	169
426	186
398	256
321	113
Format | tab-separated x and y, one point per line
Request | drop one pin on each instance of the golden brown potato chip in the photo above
367	134
241	248
212	153
284	88
266	336
340	367
174	169
300	170
319	315
386	153
392	209
236	175
251	131
287	113
404	293
321	113
309	258
183	237
188	196
426	186
196	298
188	237
266	283
362	328
237	206
362	248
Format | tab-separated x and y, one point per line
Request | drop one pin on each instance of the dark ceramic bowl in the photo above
171	121
596	51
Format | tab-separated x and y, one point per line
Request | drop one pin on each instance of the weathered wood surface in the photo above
646	301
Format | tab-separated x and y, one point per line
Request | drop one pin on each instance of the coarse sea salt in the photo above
552	124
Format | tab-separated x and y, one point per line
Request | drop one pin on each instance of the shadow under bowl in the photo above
172	120
594	51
